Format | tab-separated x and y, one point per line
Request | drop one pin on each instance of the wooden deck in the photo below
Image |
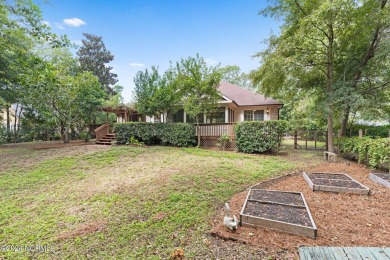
344	253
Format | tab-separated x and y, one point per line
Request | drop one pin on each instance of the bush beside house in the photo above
175	134
259	136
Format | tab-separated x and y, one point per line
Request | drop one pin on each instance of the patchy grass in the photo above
123	202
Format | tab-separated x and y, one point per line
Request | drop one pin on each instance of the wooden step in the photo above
106	140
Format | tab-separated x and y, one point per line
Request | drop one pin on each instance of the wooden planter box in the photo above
379	178
334	182
275	210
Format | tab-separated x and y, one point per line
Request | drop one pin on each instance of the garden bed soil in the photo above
287	214
342	219
334	182
284	211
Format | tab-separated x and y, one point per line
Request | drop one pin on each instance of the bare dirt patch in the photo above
342	219
83	230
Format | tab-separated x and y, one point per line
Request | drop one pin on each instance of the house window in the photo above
218	116
253	115
192	120
178	117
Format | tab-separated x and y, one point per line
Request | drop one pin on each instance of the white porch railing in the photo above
215	129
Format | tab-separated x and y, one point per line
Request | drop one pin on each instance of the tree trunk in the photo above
18	113
8	122
329	84
66	135
344	121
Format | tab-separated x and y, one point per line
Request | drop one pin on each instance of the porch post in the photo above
184	117
226	114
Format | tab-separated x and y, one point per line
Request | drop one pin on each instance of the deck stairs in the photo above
106	140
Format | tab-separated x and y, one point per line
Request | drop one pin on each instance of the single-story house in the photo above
237	104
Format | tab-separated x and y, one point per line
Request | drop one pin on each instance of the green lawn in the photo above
123	202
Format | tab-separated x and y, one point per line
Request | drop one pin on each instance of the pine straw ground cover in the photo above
342	219
127	202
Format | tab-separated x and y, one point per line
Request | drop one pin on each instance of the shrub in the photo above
2	135
370	130
175	134
373	151
259	136
85	135
223	141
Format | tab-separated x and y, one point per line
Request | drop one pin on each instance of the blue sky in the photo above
143	33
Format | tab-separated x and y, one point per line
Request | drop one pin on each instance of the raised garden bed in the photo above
334	182
382	178
279	210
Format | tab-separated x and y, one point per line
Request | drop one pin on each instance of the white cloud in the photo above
210	61
134	64
75	22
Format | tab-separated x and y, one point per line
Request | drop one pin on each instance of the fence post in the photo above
326	141
296	139
360	133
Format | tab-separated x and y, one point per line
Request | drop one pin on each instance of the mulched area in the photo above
342	219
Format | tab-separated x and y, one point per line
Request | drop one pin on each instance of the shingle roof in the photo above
245	97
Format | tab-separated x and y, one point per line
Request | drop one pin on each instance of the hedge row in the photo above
370	130
175	134
373	151
259	136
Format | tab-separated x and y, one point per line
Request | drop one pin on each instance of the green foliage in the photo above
154	93
259	136
222	141
93	57
85	135
134	141
198	84
61	91
373	151
370	130
233	75
175	134
2	135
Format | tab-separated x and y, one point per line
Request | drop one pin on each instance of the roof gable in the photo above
245	97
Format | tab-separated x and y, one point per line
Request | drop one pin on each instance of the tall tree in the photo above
234	75
94	57
156	94
60	89
312	50
198	84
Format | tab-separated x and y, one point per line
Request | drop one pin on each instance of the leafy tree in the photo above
233	75
21	28
94	57
317	41
60	89
198	84
156	94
